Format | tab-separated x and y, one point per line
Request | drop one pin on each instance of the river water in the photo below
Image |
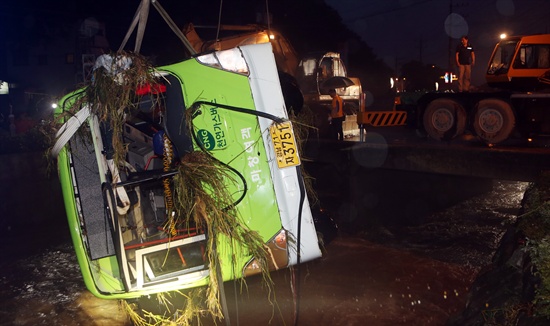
405	261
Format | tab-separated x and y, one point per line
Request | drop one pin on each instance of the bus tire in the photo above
494	120
444	119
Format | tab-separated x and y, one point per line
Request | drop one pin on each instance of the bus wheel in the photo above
444	119
494	120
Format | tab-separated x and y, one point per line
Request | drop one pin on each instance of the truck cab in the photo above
519	62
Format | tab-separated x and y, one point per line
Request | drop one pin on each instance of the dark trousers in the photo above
337	132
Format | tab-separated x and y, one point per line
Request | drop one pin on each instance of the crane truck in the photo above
516	103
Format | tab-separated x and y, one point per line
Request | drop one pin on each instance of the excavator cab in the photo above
315	68
520	63
318	72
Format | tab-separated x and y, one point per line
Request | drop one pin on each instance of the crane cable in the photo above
267	15
219	21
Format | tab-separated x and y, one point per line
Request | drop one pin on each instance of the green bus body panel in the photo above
244	144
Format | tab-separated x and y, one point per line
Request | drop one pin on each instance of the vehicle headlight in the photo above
278	255
230	60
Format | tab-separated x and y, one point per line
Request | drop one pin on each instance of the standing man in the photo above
465	59
336	115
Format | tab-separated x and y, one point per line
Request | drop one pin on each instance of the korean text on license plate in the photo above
284	144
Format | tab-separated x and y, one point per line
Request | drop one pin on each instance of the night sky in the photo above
401	30
397	30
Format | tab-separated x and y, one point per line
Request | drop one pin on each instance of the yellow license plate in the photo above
284	144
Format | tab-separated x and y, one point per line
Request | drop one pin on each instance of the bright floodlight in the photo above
502	36
4	88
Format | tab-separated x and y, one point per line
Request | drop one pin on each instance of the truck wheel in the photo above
444	119
494	120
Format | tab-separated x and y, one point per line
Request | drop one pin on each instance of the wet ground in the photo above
408	249
415	274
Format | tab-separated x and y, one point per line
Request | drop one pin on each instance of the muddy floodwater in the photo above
406	261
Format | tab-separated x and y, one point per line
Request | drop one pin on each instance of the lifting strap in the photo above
141	15
141	18
66	132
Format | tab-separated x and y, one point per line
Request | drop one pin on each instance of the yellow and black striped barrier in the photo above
382	118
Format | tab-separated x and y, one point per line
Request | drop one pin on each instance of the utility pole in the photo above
420	50
450	67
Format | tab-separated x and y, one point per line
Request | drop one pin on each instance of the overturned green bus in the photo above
129	237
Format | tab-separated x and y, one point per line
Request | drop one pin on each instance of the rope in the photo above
168	200
174	27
